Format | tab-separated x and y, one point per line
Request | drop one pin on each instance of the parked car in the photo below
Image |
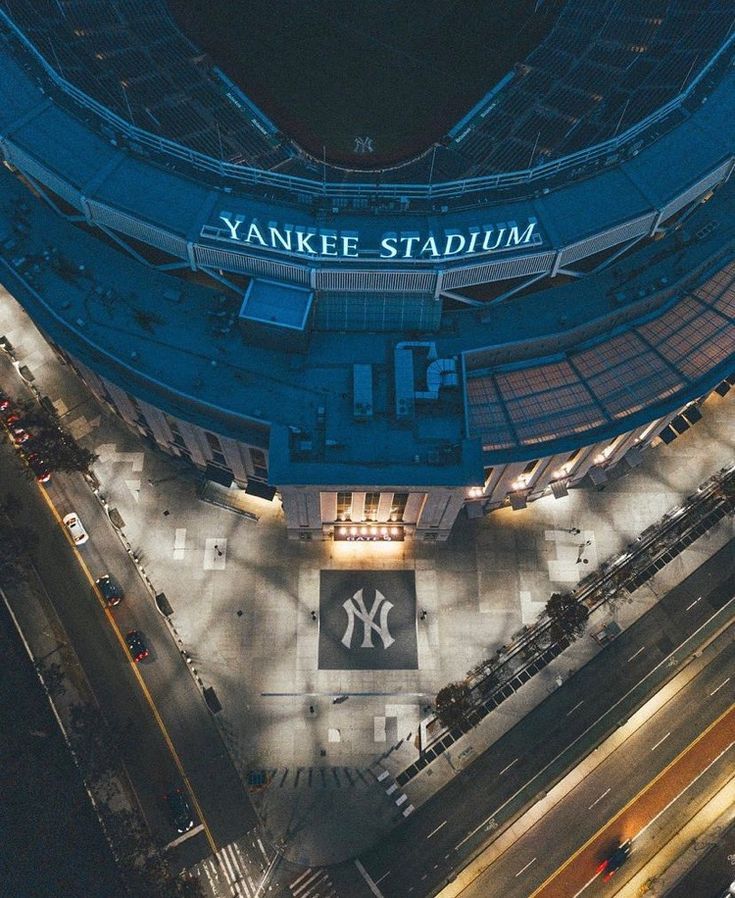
615	861
20	435
111	590
180	810
75	528
39	467
136	645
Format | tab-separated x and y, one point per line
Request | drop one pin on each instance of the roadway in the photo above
558	856
441	837
163	729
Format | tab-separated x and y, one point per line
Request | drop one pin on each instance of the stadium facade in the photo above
383	349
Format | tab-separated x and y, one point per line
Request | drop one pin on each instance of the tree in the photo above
568	616
60	451
453	703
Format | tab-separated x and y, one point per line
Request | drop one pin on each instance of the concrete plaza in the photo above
250	608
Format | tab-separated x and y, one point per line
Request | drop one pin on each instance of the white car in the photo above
75	528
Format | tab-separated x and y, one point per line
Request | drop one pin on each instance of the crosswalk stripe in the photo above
265	855
315	874
314	885
299	878
243	876
232	878
310	887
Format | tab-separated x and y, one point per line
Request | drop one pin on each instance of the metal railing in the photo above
248	175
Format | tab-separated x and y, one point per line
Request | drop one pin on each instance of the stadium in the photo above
523	306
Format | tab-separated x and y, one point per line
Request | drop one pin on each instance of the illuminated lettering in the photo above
470	241
513	237
329	244
254	234
449	247
409	241
473	240
277	237
388	248
349	246
302	243
431	248
486	242
233	227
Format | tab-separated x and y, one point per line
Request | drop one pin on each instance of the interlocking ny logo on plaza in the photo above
357	609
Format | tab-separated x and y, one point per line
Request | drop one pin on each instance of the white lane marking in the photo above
660	741
598	799
584	887
635	654
366	876
387	872
688	786
572	710
508	766
184	836
523	869
435	831
689	607
717	688
665	662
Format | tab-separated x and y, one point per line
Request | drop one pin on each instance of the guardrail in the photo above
261	178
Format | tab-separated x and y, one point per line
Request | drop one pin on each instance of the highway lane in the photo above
440	836
537	855
142	742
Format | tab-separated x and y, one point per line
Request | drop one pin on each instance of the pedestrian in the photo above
311	709
422	616
313	615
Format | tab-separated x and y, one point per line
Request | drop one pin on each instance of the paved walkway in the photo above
243	597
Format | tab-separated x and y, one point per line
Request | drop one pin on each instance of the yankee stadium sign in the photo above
324	243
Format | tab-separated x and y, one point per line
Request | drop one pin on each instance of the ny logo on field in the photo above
356	608
364	145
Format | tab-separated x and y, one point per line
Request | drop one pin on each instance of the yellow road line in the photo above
649	785
141	682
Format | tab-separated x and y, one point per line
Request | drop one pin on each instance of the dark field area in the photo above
50	843
401	72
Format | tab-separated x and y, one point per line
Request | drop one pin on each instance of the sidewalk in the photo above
68	693
242	596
